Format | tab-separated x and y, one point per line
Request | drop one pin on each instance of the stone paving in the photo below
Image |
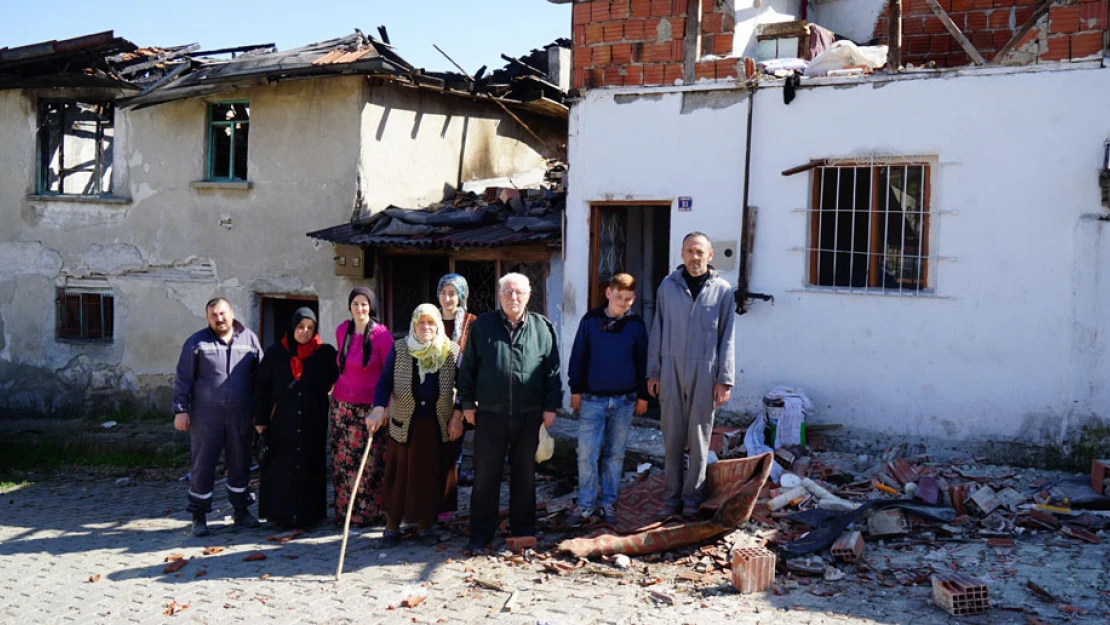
86	550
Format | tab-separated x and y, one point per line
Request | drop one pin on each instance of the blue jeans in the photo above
603	426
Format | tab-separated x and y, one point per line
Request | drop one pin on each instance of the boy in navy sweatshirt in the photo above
608	384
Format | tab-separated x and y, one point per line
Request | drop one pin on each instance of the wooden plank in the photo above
692	41
894	38
779	30
1038	12
800	168
956	33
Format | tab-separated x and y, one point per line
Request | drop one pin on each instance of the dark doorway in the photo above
276	313
412	282
631	239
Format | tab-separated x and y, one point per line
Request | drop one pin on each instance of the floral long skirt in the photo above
348	441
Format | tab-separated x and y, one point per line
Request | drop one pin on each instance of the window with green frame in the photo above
228	138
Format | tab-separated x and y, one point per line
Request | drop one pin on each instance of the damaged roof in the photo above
501	217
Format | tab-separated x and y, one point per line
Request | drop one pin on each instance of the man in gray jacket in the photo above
691	359
212	399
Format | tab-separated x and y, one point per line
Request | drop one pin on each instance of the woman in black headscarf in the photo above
291	396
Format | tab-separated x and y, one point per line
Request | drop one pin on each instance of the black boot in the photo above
244	518
200	524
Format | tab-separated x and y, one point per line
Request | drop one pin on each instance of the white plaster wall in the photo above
751	13
854	19
1010	347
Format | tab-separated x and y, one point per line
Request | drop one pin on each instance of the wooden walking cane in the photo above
351	505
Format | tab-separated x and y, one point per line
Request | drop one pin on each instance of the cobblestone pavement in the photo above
86	551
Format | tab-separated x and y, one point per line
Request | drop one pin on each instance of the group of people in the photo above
411	400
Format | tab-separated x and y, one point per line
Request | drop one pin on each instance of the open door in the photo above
634	239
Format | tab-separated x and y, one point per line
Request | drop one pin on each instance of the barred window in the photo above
869	228
84	316
75	147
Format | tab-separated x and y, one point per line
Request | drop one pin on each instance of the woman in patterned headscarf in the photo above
453	291
418	386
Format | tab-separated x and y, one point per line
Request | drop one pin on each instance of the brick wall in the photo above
1074	30
642	42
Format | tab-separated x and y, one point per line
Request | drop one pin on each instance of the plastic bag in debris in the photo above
546	447
827	530
754	444
844	53
770	66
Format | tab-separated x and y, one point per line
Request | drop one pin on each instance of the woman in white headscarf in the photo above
418	386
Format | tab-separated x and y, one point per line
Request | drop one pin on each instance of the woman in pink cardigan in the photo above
363	346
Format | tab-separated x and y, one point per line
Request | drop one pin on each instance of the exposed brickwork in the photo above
642	42
960	595
849	547
753	569
1074	30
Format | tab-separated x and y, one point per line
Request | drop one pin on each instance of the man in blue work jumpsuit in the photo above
212	400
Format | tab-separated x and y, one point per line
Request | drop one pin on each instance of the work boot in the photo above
579	516
244	518
200	524
609	514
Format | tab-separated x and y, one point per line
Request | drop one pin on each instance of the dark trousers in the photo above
210	432
494	436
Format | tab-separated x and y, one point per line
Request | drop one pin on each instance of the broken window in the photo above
869	228
75	147
84	315
228	137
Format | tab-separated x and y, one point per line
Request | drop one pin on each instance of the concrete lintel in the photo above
238	185
81	199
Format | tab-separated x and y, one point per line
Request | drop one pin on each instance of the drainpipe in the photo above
747	219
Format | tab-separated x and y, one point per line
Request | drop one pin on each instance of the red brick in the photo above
660	8
1022	15
1100	470
517	544
595	77
621	53
1092	16
1029	36
579	35
634	30
641	52
594	34
981	40
599	11
1003	4
712	23
913	26
641	8
613	76
705	69
722	45
975	21
671	73
1059	48
583	57
633	75
980	5
918	44
661	52
678	28
849	547
1088	44
753	569
728	23
1001	37
581	13
619	9
939	44
1063	19
602	55
651	29
960	595
958	20
961	5
653	75
613	32
933	26
999	19
707	43
680	7
727	68
579	78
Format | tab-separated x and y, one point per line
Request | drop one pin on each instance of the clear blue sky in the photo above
473	32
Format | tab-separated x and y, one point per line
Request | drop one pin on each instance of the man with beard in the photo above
212	400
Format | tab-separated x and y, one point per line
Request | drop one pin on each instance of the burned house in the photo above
137	183
917	184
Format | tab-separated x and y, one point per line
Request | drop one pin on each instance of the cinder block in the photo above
517	544
960	595
886	523
849	547
753	569
958	496
1100	469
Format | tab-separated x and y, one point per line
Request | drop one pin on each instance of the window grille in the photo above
228	139
84	316
869	228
